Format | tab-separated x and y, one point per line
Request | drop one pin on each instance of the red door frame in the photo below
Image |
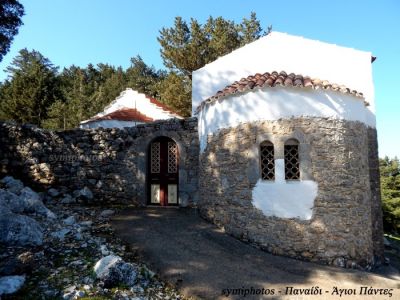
164	177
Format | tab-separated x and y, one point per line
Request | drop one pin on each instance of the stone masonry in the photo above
110	162
340	156
344	228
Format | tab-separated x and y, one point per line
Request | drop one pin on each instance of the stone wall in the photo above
111	162
342	229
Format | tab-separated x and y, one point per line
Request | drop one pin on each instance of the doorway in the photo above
163	172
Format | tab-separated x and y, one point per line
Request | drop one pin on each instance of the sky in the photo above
80	32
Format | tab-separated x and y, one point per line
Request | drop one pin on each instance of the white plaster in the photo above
285	199
109	124
129	99
282	52
280	102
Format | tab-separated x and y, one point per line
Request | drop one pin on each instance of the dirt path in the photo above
205	263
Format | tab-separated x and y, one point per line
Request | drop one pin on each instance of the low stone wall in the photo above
345	227
111	162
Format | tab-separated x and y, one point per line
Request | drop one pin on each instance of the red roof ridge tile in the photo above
123	114
273	79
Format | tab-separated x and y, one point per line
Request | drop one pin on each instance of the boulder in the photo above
11	284
20	230
60	234
13	185
12	201
67	199
84	194
107	213
69	221
113	271
33	204
53	192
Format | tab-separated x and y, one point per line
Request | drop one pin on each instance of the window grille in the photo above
155	157
292	163
267	161
172	157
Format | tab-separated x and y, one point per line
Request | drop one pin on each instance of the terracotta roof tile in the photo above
277	79
124	114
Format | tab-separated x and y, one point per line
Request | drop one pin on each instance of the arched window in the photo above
267	161
292	163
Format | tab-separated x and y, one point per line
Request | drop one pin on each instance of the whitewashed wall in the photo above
280	102
132	99
109	124
282	52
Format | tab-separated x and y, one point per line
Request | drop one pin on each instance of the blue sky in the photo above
93	31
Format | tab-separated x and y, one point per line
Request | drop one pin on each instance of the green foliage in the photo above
143	78
11	12
175	90
32	88
35	92
390	188
186	48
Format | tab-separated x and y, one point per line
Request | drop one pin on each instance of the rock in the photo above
4	209
60	234
104	251
106	213
17	265
11	284
69	221
113	271
69	292
80	294
13	185
67	199
12	201
53	192
86	223
339	262
20	230
84	194
33	204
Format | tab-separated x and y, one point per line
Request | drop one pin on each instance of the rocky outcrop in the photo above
11	284
20	230
15	228
70	246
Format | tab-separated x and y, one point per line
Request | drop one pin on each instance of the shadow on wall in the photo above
110	162
229	171
70	160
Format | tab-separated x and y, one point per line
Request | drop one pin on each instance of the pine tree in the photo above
186	48
175	91
31	88
11	12
143	78
390	188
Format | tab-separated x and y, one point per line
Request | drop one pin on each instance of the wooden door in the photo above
163	172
